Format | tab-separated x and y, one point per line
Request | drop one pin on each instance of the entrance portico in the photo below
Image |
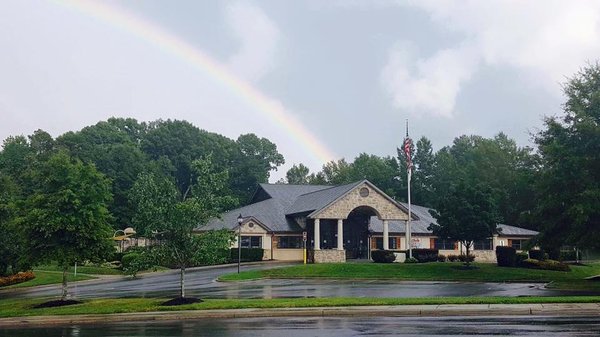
340	228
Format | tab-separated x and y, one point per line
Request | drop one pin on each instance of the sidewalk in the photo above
554	309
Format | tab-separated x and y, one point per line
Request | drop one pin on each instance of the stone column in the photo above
317	234
494	242
386	235
340	233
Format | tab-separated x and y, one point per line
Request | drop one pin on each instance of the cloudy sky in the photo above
322	79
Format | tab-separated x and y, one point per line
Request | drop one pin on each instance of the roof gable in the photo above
348	197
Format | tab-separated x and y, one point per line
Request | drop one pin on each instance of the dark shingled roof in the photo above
319	199
302	199
271	212
425	219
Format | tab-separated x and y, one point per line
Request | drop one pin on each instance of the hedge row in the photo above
248	254
16	278
383	256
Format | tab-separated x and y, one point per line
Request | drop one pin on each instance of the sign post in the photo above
304	236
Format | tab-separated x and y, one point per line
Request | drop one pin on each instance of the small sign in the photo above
304	236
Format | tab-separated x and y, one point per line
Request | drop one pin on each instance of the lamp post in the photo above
240	219
369	235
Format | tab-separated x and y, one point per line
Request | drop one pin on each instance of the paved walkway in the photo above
554	309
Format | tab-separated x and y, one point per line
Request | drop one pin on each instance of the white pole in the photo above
408	229
75	273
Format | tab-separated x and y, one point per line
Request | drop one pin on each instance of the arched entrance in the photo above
356	232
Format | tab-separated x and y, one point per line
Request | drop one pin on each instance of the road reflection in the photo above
333	326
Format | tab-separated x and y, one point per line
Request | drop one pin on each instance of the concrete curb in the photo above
551	309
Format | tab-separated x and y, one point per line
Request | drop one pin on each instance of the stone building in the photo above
343	222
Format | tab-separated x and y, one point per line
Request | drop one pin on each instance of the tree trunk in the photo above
182	282
468	263
63	296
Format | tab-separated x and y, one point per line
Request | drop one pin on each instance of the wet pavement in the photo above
333	326
202	283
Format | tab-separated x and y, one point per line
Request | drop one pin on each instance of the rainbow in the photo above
174	45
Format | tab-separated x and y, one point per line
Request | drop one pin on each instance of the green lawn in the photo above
47	277
92	270
484	272
23	307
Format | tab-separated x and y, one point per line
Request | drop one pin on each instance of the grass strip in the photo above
436	271
21	308
92	270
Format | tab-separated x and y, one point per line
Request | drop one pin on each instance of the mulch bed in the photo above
182	301
56	303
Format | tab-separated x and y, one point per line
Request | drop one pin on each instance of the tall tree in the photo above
113	147
252	164
424	165
569	184
12	256
162	210
298	175
466	213
65	219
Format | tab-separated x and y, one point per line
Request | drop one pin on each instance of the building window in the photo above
392	243
289	242
251	241
482	244
444	244
518	244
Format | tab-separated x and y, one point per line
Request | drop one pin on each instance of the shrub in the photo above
506	256
536	254
411	260
452	258
441	258
520	257
128	258
383	256
545	265
19	277
567	255
248	254
425	255
133	263
466	258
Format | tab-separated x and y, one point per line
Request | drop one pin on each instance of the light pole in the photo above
240	219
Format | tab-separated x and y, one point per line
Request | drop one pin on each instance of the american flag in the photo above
407	145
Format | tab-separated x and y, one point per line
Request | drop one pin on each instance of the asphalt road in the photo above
202	283
333	326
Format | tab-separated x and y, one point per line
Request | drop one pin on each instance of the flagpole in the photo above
408	224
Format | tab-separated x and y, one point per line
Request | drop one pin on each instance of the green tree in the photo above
466	213
11	242
298	175
568	186
113	147
166	213
422	178
252	163
65	219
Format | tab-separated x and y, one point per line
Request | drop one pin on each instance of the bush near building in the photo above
545	265
536	254
452	258
383	256
441	258
466	258
425	255
506	256
248	254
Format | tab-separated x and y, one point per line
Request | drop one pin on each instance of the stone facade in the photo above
384	207
329	256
